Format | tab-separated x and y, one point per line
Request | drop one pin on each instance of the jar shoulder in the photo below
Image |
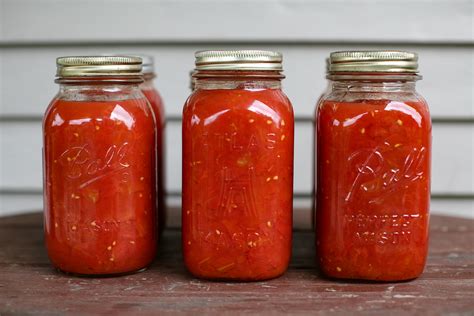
131	112
381	114
265	102
347	96
338	104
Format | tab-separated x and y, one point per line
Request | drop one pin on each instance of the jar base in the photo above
348	279
101	275
237	279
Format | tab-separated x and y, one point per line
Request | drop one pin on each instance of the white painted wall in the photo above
34	32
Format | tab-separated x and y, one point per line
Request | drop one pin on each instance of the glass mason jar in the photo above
314	169
373	168
154	98
99	168
237	167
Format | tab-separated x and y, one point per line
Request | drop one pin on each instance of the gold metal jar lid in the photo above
373	61
148	63
99	66
239	60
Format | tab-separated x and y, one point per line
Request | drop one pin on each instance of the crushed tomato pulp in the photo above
373	189
237	183
100	186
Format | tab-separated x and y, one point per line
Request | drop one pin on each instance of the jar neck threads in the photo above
213	84
218	79
237	69
101	92
372	86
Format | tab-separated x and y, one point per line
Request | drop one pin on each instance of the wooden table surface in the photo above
28	284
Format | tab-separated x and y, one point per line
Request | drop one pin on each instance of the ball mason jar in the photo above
99	168
154	98
373	168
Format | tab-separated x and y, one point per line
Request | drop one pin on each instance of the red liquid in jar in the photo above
237	183
100	186
373	189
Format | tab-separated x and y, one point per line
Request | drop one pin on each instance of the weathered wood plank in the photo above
29	285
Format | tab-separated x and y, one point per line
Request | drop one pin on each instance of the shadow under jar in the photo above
99	168
237	168
373	168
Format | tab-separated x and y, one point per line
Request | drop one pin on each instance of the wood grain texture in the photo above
28	285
